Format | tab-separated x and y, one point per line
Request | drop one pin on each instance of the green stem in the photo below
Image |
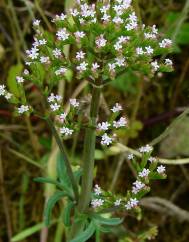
89	151
88	161
66	159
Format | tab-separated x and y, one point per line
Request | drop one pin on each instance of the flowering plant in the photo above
108	39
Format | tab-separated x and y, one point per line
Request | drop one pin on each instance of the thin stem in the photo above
39	9
32	137
88	161
66	159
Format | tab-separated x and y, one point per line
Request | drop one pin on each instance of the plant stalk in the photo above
88	161
66	159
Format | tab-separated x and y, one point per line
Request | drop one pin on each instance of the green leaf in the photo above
62	172
107	221
105	229
50	204
126	82
86	234
67	213
27	232
11	79
48	180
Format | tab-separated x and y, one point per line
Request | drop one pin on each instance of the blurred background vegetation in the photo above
27	150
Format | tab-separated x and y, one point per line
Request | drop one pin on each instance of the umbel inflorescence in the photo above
107	40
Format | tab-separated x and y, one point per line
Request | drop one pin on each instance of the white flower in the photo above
61	70
44	59
28	63
132	22
95	66
88	10
82	67
118	9
33	53
36	22
51	98
81	20
57	53
139	51
8	95
97	202
23	109
168	62
155	65
118	46
74	12
149	36
117	202
74	102
149	50
106	140
132	203
62	17
165	43
62	117
111	67
133	17
55	106
117	108
103	126
105	17
105	8
154	29
79	34
66	131
123	39
144	173
152	159
19	79
120	123
145	149
42	42
137	187
161	169
117	20
130	157
97	190
94	20
125	3
26	72
101	41
62	34
120	61
80	55
58	98
2	90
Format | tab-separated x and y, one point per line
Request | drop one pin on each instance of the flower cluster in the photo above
110	30
147	169
4	92
64	120
107	129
